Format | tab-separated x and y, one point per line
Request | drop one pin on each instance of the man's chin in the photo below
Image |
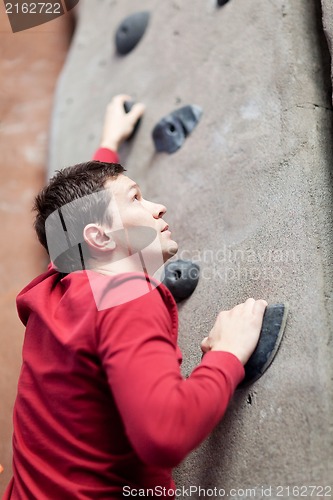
170	251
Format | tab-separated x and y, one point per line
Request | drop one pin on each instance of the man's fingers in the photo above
259	306
137	111
121	98
117	103
255	306
205	345
249	303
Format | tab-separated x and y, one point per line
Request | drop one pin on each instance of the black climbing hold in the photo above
181	278
170	132
130	31
189	116
222	2
272	330
128	105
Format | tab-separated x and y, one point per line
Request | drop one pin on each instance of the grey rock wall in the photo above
249	197
327	11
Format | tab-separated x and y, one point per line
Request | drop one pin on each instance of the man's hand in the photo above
237	331
118	125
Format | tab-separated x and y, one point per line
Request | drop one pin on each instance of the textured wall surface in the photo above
249	197
327	8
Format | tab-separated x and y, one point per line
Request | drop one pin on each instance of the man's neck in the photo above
136	263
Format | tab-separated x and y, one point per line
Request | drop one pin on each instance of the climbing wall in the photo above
327	9
249	197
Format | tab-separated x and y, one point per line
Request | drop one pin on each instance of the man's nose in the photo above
158	211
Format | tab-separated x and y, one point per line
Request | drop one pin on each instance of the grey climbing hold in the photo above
130	31
189	117
128	105
271	334
181	278
170	132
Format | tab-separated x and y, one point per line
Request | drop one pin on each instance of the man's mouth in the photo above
165	228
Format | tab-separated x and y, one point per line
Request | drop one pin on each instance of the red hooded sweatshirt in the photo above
102	409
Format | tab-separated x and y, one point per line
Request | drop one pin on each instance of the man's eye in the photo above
136	197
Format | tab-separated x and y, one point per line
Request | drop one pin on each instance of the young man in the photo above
102	408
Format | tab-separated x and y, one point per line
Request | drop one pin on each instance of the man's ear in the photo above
111	244
97	238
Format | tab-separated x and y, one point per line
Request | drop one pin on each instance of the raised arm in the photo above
118	126
165	415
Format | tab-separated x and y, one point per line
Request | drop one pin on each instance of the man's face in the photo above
129	210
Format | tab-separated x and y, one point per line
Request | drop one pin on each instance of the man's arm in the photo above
106	155
118	126
165	415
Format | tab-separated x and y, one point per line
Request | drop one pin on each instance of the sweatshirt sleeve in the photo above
106	155
165	416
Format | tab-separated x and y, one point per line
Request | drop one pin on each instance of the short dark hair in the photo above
66	233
